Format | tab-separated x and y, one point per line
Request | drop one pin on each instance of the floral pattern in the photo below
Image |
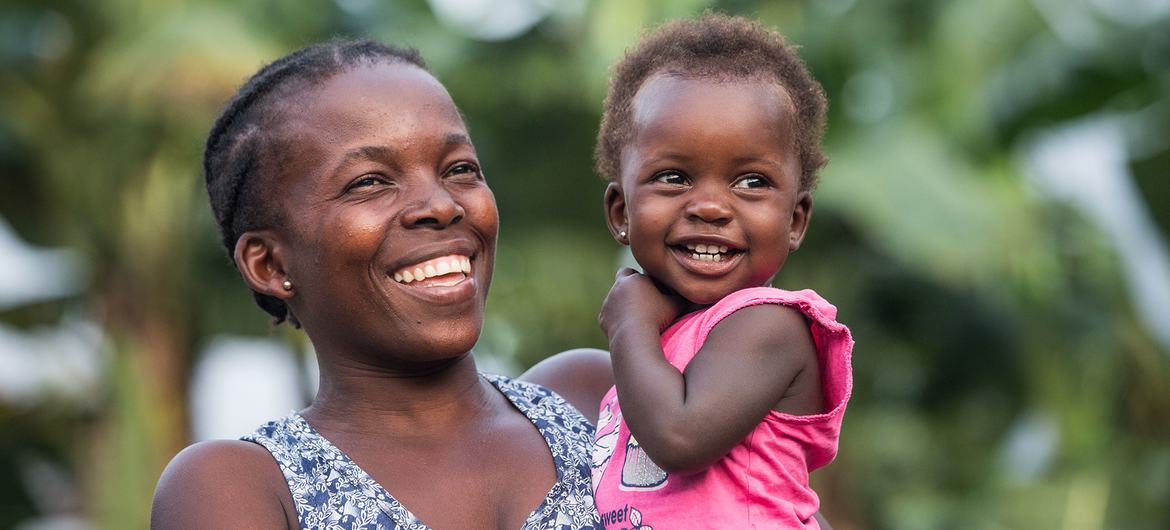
332	493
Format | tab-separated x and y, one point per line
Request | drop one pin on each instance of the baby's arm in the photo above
746	367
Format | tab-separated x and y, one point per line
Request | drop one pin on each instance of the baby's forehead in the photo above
668	94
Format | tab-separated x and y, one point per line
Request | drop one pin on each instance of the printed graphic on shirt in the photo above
625	514
639	473
607	434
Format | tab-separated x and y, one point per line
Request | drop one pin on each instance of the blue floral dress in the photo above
332	493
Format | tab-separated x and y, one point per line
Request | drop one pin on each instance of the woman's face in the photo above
390	228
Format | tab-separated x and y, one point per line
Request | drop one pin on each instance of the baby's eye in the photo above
751	181
670	177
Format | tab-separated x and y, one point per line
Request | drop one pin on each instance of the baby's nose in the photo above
709	208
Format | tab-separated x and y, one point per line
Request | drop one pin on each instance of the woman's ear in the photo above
615	213
258	257
801	214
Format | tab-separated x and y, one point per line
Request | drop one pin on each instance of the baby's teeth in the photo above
442	268
722	248
701	248
690	246
717	257
695	256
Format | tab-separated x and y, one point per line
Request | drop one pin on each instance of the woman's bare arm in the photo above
222	484
581	376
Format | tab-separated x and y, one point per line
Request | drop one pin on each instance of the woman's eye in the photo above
670	177
751	181
465	169
366	181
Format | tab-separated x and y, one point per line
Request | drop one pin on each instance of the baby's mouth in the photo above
443	271
708	252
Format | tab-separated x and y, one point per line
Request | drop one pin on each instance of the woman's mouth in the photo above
443	271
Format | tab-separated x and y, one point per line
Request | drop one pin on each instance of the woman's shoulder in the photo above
580	376
219	484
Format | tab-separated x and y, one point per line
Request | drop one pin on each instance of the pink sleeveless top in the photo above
763	481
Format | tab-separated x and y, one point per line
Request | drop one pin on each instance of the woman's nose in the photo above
435	207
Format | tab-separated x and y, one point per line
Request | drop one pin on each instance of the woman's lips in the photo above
443	271
442	280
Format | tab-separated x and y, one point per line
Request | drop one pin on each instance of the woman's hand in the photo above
637	300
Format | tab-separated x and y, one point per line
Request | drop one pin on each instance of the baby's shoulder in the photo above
815	310
772	326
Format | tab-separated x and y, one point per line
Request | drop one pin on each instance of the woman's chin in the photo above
447	341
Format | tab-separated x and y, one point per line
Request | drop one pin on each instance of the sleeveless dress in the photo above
762	482
331	492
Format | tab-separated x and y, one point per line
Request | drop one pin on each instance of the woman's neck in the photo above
360	398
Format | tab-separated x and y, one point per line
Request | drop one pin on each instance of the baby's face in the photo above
709	190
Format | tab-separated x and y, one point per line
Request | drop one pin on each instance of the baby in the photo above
711	141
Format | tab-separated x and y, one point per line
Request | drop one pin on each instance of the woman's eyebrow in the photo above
366	152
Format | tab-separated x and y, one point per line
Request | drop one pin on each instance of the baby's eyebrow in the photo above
458	138
747	159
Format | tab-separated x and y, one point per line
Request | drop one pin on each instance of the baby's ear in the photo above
801	214
615	213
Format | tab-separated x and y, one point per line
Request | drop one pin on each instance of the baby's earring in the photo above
288	285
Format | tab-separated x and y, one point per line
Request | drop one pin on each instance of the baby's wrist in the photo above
631	333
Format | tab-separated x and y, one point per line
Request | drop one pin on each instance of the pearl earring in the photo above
288	286
622	235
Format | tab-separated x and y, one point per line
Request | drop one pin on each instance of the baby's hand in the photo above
636	300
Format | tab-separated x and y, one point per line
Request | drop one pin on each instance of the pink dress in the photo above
763	481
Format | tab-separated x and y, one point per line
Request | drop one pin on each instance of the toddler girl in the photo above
711	141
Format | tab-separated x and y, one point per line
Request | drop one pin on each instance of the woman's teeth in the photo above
703	252
455	266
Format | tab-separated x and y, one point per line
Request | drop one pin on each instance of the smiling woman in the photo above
350	197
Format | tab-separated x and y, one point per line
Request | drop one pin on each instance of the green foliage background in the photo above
983	309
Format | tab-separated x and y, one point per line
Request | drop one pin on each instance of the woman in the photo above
349	195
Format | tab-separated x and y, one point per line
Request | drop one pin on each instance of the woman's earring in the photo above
288	286
622	236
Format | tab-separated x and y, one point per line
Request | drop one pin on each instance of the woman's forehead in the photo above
381	104
395	108
383	88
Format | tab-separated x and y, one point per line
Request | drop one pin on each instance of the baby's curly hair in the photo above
713	46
